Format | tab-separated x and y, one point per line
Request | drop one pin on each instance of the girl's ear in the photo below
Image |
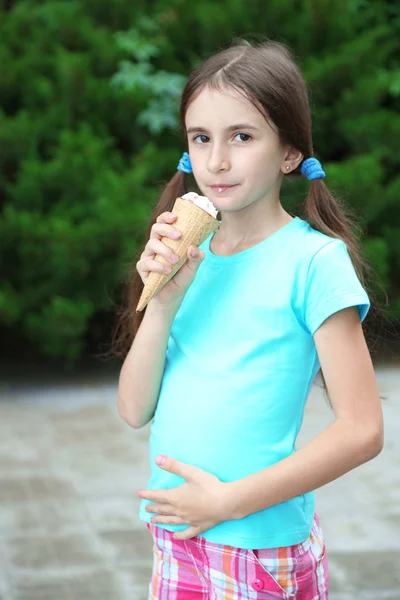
293	158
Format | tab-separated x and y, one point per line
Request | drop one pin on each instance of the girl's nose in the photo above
217	161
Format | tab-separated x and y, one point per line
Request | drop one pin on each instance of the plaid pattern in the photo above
200	570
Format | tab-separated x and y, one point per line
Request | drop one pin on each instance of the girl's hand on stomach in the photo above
202	502
172	294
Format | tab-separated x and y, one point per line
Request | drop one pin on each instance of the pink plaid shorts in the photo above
196	569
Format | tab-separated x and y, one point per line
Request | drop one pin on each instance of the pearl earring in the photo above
287	167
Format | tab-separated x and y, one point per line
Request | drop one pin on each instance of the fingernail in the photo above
160	460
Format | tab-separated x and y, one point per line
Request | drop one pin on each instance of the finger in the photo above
161	496
166	217
195	256
169	520
172	465
160	230
187	534
161	509
152	265
154	247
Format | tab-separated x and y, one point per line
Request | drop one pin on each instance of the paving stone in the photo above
360	571
44	517
17	517
383	595
96	585
127	547
5	583
135	582
13	490
50	552
17	489
49	487
39	588
112	513
100	584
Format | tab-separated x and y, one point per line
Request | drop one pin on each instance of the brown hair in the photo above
268	76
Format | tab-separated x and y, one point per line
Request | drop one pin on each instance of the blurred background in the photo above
89	94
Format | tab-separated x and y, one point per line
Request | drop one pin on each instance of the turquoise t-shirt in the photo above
240	363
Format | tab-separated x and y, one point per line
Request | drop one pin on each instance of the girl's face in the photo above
236	155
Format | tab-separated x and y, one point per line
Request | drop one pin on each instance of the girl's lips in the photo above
221	188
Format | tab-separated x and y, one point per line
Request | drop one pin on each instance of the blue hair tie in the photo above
312	168
184	164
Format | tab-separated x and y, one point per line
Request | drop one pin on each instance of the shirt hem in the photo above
336	304
249	543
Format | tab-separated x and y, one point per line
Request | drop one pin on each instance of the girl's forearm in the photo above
338	449
142	371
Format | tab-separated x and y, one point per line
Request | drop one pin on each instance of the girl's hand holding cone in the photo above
172	293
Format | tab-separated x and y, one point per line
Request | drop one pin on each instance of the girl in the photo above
225	355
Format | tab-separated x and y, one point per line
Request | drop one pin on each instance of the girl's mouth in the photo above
220	189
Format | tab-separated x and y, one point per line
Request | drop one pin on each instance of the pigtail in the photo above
128	321
326	214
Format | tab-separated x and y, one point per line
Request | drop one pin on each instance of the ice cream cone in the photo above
195	224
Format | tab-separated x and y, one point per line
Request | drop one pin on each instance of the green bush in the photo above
88	133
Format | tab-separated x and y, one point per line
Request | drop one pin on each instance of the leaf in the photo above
133	43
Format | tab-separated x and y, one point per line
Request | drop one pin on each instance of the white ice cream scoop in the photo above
202	202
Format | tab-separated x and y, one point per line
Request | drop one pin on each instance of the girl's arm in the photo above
355	437
143	368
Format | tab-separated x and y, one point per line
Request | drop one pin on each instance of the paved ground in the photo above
69	469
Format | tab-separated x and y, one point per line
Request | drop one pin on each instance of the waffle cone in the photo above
195	224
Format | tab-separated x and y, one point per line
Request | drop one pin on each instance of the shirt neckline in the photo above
249	252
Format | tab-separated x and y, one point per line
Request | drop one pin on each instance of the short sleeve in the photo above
332	285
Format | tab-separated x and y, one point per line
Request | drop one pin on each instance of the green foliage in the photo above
164	89
89	131
75	174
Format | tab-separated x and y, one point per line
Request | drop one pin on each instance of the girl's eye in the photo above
201	137
244	137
